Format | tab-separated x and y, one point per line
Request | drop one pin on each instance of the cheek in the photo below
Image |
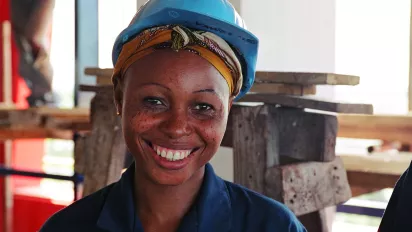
213	131
137	121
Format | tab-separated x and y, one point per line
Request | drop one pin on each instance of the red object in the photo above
26	154
34	210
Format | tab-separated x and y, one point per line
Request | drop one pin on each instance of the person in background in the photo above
31	22
178	68
398	214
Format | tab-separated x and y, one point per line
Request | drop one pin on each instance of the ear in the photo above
118	96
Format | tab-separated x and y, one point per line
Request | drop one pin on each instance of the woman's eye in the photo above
203	107
153	101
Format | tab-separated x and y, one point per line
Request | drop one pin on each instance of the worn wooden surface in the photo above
304	136
308	187
309	102
275	88
385	127
307	78
254	145
42	123
106	148
296	78
383	163
367	182
364	170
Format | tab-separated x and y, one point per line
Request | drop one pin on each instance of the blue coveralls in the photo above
221	207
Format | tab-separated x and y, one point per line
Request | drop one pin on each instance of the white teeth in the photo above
176	156
171	155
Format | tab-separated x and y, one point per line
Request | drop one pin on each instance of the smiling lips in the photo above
171	155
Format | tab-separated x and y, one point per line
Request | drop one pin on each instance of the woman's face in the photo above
174	108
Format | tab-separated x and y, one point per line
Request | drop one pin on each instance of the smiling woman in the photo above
178	68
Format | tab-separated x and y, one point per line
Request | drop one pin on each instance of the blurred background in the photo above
367	38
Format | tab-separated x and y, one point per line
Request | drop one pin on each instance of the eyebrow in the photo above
212	91
156	84
205	91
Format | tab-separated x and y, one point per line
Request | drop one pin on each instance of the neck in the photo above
162	204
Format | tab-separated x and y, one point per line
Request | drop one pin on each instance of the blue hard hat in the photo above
216	16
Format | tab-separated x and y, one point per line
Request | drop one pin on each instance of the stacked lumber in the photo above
280	148
42	123
363	171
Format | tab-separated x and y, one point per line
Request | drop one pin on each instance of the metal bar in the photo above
4	171
360	210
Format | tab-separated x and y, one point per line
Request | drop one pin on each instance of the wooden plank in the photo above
105	154
80	153
42	123
72	113
298	90
307	78
101	72
95	88
381	163
384	127
310	103
254	140
35	133
367	182
308	187
305	136
296	78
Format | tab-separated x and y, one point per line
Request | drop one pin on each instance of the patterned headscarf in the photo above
205	44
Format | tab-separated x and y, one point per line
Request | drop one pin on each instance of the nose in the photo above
177	125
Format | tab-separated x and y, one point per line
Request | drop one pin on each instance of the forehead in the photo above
183	69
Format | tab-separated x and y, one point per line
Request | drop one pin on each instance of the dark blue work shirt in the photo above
220	207
398	213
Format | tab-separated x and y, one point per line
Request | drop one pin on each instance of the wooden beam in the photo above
380	163
367	182
255	145
309	102
307	78
304	136
101	72
42	123
384	127
295	78
298	90
106	148
308	187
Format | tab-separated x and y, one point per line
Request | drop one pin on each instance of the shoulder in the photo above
81	215
259	211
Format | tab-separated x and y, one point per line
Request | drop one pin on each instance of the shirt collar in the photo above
211	211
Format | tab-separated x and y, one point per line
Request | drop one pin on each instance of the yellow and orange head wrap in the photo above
205	44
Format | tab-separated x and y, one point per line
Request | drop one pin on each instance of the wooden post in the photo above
304	136
269	145
254	145
106	153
